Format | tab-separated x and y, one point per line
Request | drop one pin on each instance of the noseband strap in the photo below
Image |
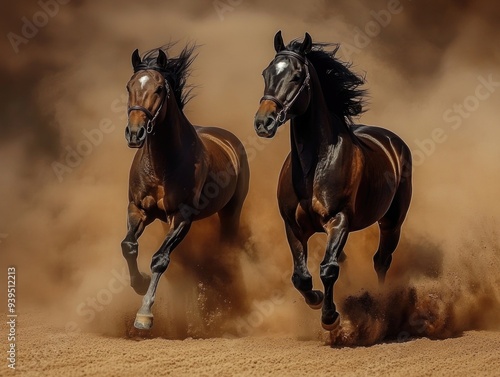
278	103
148	113
151	118
285	106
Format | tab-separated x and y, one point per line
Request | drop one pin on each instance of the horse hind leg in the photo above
389	239
227	269
390	229
230	215
229	218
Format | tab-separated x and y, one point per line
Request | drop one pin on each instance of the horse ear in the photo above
161	60
306	44
136	59
278	42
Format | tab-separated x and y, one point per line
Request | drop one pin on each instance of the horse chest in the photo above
156	199
336	181
324	201
309	216
329	192
318	207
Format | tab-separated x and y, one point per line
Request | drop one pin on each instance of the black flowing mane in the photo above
176	71
340	86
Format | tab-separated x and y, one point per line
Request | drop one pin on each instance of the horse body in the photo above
168	180
180	173
365	183
338	177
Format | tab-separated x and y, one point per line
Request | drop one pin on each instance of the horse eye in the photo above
159	90
296	78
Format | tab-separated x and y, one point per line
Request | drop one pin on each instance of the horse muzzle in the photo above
266	126
135	136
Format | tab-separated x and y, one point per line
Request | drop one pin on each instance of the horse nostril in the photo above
259	126
141	134
269	123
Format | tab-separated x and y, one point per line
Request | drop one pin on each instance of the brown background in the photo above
64	237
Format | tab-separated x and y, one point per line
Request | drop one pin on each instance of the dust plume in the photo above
64	224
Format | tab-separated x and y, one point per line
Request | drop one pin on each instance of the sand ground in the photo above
44	350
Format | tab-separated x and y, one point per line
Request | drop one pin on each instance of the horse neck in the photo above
174	141
315	133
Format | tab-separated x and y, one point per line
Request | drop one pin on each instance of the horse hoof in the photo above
318	304
143	321
332	326
142	284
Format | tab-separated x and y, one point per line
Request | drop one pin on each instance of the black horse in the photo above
339	177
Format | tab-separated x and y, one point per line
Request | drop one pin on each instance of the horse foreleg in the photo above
136	222
161	259
301	278
337	231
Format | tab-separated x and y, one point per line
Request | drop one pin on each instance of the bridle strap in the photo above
151	118
297	56
285	106
280	104
148	113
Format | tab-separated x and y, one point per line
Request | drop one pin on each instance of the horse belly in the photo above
369	209
222	177
217	191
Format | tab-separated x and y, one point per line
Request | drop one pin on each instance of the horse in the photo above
339	177
180	173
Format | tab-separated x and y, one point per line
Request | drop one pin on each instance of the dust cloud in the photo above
63	102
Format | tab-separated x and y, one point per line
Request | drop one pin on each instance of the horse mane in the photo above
176	72
340	86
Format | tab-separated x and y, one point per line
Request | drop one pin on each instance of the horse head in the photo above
147	94
287	86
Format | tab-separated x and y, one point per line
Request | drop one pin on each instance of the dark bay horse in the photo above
180	173
339	177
